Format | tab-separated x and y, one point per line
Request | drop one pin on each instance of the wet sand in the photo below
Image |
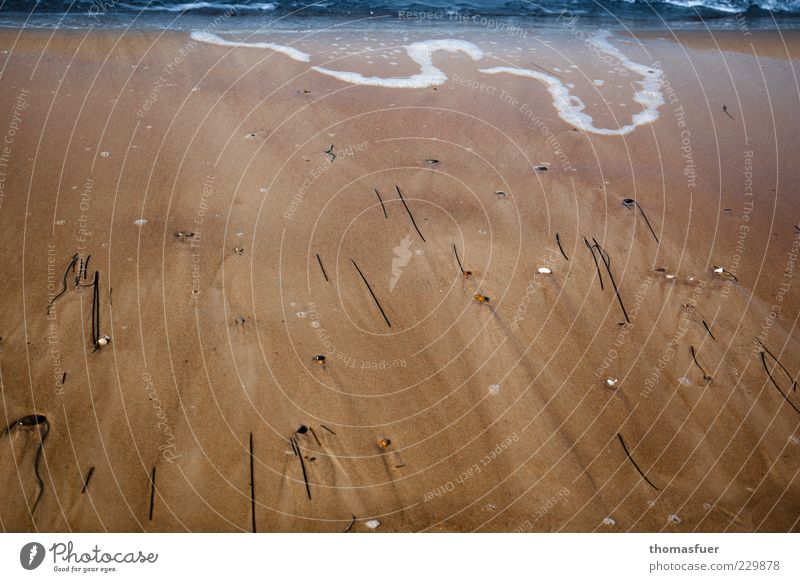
558	405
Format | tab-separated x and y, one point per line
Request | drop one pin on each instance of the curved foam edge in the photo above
571	108
291	52
422	54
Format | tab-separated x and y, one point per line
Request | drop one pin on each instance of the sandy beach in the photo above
219	215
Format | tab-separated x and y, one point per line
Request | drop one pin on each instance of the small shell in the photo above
719	270
140	221
494	389
373	523
609	521
103	340
611	382
544	270
670	276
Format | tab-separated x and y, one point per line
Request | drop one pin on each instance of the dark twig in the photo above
252	486
706	377
71	264
558	240
152	492
86	480
766	349
378	194
311	430
331	153
639	206
329	430
622	441
303	468
411	216
38	421
352	523
596	264
766	369
323	268
709	330
607	262
96	309
460	266
725	111
372	293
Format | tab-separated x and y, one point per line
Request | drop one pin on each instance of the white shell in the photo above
373	523
719	270
670	276
611	382
103	341
609	521
544	270
140	221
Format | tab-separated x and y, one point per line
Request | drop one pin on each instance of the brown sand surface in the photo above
496	416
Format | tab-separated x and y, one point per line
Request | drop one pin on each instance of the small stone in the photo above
140	221
494	389
373	523
481	298
103	340
609	521
238	250
611	382
384	443
674	518
544	270
318	358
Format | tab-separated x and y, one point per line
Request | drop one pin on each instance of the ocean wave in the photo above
499	8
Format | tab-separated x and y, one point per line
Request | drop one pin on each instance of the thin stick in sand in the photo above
706	377
303	468
786	398
630	458
252	486
653	232
352	523
311	430
766	349
152	492
596	264
87	479
323	268
465	274
725	111
411	216
329	430
378	194
372	293
607	262
558	240
709	330
71	264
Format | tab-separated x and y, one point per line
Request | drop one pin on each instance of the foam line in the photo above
422	54
289	51
571	107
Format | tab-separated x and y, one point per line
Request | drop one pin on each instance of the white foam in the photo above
571	108
422	54
289	51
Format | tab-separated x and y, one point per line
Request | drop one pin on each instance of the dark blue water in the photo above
542	8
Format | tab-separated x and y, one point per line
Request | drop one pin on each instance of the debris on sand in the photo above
384	443
373	523
431	161
609	521
723	272
501	194
318	358
611	382
541	168
544	271
494	389
140	221
481	298
184	234
673	518
238	250
103	340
